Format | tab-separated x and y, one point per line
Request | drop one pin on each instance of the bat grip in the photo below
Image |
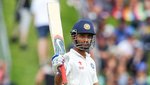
63	74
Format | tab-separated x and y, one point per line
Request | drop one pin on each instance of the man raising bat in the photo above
80	67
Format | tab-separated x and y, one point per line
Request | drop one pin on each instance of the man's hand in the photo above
57	60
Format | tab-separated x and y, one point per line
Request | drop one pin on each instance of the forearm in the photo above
58	79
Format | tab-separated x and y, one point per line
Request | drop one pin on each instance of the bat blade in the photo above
57	33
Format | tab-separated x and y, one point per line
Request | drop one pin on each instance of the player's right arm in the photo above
58	79
57	60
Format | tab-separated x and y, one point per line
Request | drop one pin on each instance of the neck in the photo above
82	52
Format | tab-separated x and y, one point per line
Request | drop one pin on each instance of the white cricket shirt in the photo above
80	70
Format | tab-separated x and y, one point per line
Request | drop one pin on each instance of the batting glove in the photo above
57	60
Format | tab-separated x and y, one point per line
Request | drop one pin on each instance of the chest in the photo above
83	67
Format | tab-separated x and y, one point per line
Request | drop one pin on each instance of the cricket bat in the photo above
57	33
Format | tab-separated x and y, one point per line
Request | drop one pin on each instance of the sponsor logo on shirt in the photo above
80	62
80	65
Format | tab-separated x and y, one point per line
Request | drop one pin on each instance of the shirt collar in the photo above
75	52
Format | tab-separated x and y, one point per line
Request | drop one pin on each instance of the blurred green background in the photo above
25	62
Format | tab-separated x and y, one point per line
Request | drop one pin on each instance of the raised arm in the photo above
58	79
57	61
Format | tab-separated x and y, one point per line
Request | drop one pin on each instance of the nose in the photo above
86	40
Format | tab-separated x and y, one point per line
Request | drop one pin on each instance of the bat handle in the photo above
63	74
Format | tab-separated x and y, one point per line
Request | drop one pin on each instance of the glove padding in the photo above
57	60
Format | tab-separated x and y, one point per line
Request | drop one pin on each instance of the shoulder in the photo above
68	55
93	53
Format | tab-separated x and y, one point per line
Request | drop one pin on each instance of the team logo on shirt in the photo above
92	65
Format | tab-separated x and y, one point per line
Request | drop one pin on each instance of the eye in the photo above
86	36
81	35
90	35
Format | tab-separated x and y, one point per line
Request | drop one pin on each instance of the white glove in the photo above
57	60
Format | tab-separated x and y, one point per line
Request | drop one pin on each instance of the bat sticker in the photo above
59	46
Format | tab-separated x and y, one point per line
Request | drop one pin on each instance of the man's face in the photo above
83	41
